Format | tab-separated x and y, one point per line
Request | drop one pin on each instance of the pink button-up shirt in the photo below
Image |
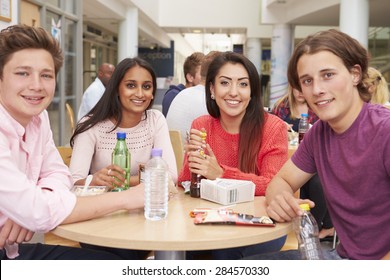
34	181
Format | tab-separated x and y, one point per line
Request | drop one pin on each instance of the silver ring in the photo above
109	172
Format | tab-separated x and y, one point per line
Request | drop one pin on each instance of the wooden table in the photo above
291	150
170	238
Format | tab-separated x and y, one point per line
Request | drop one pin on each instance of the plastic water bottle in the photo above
303	126
306	230
156	187
121	157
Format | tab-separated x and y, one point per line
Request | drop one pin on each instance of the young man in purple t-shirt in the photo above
349	148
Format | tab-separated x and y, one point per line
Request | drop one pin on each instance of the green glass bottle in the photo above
121	157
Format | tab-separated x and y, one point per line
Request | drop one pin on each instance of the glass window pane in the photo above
70	74
55	3
52	21
70	6
379	46
70	36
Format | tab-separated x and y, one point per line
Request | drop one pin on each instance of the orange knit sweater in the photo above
272	155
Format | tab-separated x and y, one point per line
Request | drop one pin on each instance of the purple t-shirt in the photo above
354	168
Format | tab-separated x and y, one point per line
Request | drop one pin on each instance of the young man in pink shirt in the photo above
35	184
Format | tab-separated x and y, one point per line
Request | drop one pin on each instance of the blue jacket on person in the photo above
169	96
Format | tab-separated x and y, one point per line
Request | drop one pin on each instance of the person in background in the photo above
191	102
243	141
95	90
191	68
377	87
348	147
35	183
289	108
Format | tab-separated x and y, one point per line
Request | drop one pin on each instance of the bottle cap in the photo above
304	115
305	206
121	135
156	152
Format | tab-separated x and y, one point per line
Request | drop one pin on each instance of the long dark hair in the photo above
251	128
109	105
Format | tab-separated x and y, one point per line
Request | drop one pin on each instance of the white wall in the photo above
204	13
273	12
14	12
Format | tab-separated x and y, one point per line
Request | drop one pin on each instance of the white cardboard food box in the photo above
227	191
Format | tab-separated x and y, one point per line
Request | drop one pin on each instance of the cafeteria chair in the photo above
66	153
291	242
50	238
70	113
178	148
335	240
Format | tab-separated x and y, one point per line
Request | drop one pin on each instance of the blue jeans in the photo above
125	254
40	251
240	252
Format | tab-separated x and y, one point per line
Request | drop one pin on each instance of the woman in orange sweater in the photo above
243	141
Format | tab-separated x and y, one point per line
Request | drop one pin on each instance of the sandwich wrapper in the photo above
228	217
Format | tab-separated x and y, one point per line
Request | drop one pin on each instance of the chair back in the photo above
66	153
178	148
70	112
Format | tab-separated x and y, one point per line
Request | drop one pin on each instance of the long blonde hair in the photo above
292	103
376	85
